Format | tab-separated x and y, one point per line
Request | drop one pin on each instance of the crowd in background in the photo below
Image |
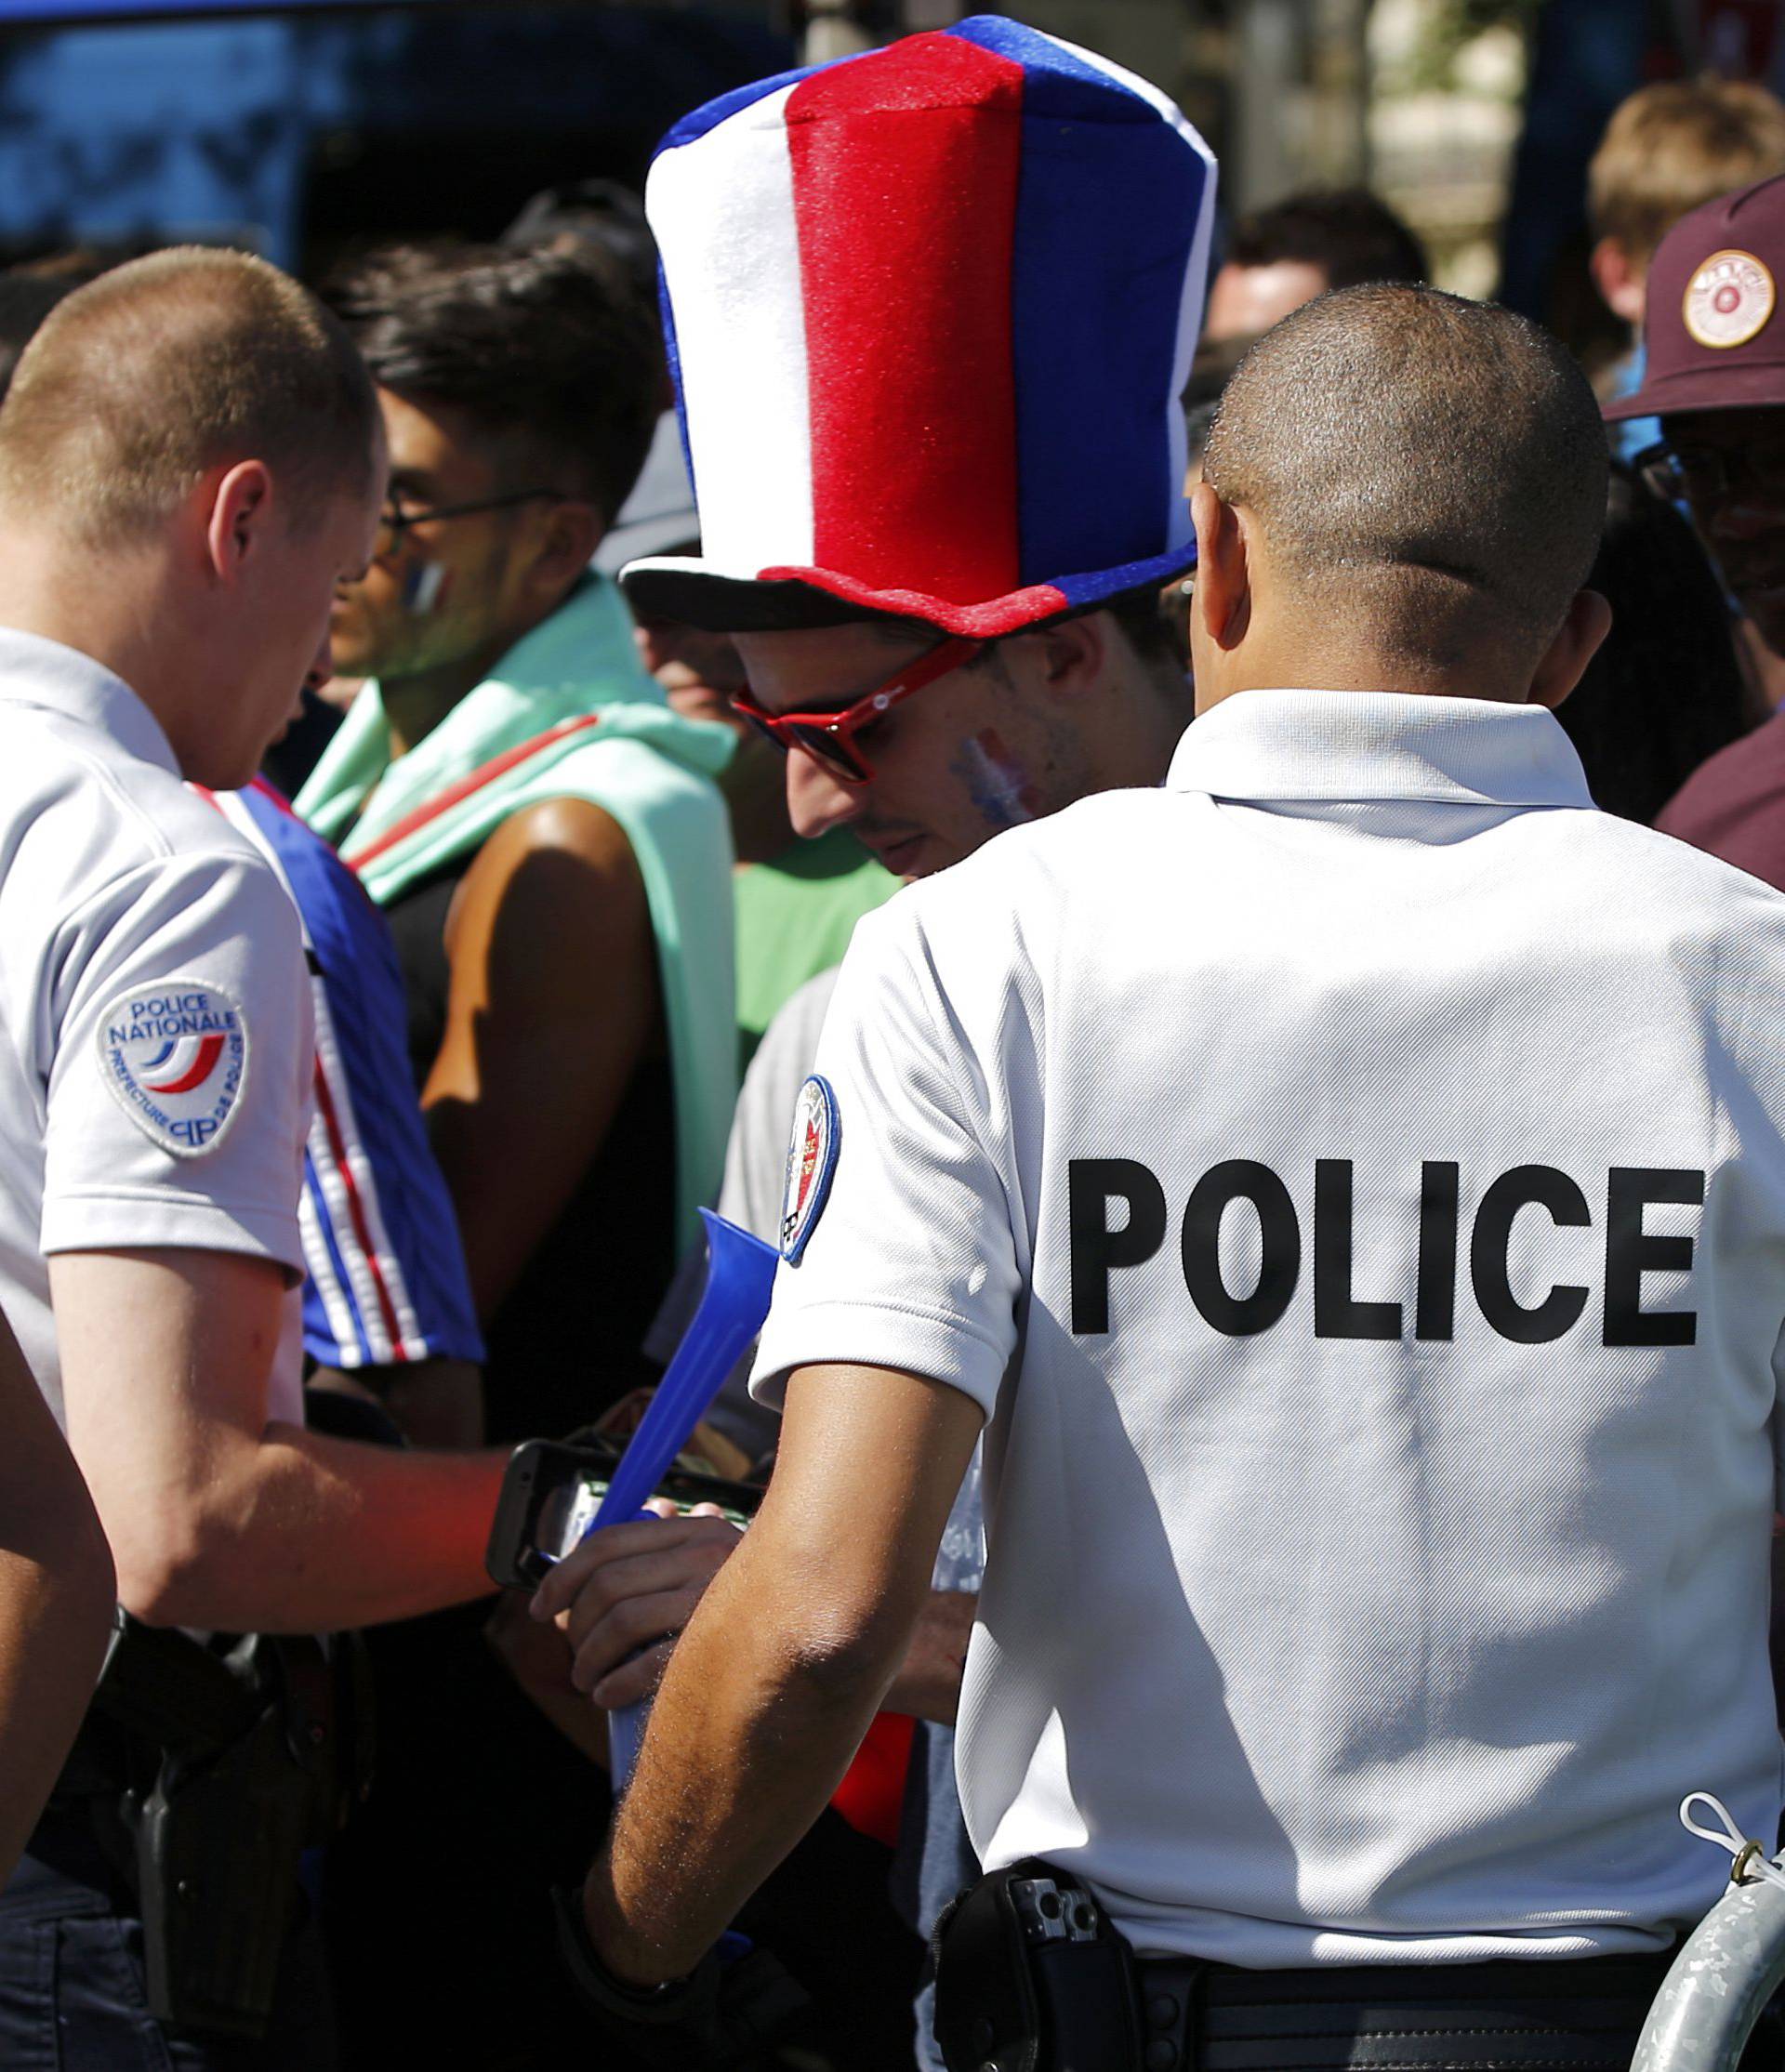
583	958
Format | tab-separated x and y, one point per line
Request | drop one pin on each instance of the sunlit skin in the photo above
1744	528
447	598
217	618
698	671
1245	301
290	603
926	806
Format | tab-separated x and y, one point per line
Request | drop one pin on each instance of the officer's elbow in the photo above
847	1648
164	1577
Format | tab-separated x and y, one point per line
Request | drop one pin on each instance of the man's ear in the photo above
1575	643
1621	285
1222	600
241	509
564	547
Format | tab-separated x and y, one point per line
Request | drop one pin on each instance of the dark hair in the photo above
133	386
555	352
1347	232
598	212
1430	470
1665	690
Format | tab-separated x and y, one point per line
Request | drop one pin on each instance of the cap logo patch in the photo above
811	1161
175	1055
1728	300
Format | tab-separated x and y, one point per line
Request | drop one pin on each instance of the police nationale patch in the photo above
811	1163
175	1055
1728	300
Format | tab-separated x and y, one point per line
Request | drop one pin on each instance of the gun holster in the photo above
237	1757
1032	1976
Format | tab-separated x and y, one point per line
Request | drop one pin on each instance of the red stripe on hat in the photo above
988	620
905	182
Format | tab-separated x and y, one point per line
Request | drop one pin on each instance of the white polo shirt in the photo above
155	1029
1351	1180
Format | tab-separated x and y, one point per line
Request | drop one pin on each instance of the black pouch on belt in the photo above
236	1764
1032	1976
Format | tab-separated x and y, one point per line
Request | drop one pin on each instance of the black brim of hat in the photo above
694	593
689	594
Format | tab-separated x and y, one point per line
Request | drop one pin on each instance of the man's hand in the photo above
630	1586
927	1684
784	1663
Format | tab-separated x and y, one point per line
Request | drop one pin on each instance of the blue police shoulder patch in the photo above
812	1164
175	1054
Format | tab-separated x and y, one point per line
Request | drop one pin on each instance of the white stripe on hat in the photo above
1196	280
724	231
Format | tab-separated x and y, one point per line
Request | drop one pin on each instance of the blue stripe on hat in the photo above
1081	592
1097	283
672	360
710	113
1062	83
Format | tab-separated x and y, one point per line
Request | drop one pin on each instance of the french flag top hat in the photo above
930	309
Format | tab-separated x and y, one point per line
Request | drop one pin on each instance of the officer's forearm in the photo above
763	1705
55	1613
293	1532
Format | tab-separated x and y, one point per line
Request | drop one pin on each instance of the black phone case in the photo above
537	1467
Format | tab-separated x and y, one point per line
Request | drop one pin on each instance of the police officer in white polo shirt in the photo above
190	461
1349	1185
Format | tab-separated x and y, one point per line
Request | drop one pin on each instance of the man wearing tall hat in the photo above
1716	380
937	452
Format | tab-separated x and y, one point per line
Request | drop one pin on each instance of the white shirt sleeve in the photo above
177	1053
912	1260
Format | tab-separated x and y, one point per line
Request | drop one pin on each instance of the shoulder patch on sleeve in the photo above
811	1163
175	1054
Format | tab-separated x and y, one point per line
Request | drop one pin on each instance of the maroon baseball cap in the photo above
1713	328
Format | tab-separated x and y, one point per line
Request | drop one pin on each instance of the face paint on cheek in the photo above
425	589
1001	791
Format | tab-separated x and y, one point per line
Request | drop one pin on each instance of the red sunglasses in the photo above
829	737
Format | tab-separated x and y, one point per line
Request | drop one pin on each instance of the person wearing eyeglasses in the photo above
1716	380
540	829
545	836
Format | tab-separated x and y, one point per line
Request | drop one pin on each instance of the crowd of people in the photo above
1282	1243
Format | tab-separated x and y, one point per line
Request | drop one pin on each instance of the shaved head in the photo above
138	384
1428	474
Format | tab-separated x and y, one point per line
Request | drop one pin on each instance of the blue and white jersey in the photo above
386	1279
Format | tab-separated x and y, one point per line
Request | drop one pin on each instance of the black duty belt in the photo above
1576	2015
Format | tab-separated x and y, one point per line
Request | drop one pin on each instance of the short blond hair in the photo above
1672	147
138	384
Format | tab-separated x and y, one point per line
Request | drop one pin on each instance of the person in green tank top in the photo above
547	841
